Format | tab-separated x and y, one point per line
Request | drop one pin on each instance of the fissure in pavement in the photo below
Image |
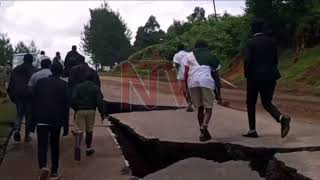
146	156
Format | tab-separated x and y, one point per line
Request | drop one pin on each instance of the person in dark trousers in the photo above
50	114
86	97
261	72
72	59
20	94
79	73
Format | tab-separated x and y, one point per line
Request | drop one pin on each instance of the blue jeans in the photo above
23	111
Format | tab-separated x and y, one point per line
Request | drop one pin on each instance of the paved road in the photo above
107	164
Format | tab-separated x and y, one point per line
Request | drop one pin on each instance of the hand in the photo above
65	131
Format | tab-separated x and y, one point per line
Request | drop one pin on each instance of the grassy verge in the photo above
7	116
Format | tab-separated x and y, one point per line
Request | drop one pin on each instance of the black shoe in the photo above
285	125
55	175
77	154
17	136
251	134
205	135
90	152
189	109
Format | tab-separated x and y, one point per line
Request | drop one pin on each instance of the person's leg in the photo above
79	129
252	96
200	115
17	126
55	149
207	97
188	99
43	138
90	119
28	114
266	94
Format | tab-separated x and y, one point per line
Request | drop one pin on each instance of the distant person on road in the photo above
41	58
86	98
261	72
72	59
43	73
20	94
199	65
79	73
57	59
178	57
50	114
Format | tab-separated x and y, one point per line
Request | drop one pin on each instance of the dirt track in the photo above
304	107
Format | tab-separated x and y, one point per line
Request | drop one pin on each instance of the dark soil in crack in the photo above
147	156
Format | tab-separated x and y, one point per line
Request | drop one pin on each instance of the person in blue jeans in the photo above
20	94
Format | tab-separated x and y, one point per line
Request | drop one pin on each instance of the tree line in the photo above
7	49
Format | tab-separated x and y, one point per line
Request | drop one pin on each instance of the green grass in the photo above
8	115
293	70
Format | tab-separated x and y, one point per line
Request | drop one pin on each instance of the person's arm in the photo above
66	108
74	97
100	103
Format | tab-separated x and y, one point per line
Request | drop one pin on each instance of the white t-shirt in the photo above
177	59
37	63
199	75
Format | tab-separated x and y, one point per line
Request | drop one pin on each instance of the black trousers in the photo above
266	91
45	135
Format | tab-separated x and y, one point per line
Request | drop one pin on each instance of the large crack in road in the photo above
146	156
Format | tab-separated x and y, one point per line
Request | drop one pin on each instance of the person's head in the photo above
91	77
257	26
74	48
28	58
201	44
45	64
42	53
180	47
56	69
58	54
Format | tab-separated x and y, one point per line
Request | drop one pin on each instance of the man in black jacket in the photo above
261	72
72	59
19	93
50	114
79	73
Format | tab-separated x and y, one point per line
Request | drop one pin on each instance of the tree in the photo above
197	15
21	48
106	38
33	48
149	34
6	50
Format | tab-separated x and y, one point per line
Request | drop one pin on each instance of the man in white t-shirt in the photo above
40	58
180	76
199	67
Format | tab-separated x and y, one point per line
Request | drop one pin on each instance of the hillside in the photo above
299	73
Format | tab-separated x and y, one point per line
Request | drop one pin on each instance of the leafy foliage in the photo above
106	37
21	47
6	49
149	34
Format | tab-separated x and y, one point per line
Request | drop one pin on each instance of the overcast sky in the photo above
56	26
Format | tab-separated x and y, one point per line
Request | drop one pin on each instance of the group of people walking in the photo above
198	75
43	99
